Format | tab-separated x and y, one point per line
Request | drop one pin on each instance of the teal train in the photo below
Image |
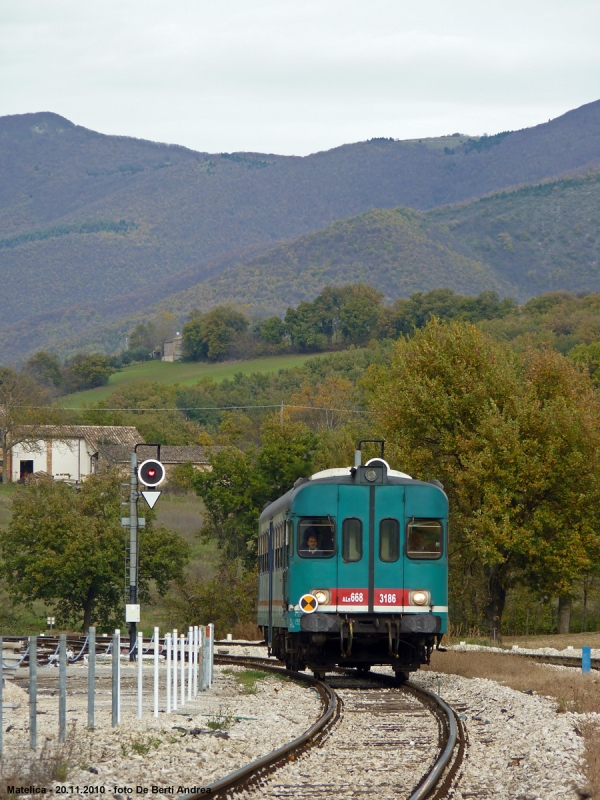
353	569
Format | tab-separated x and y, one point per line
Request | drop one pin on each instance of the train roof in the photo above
339	475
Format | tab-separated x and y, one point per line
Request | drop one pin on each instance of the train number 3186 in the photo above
387	598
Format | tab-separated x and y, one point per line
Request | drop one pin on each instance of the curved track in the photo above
386	723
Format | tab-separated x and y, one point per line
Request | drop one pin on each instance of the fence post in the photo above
156	646
62	687
91	676
140	648
115	679
168	647
190	665
1	679
118	631
586	659
205	659
33	692
175	643
211	654
182	656
200	658
195	660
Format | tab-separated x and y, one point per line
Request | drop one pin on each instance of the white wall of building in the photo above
71	458
28	452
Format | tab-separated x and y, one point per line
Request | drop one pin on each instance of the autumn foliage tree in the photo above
67	547
242	481
24	410
516	443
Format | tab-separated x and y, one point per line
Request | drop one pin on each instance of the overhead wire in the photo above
210	408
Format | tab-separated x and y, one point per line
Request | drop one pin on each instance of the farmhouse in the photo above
67	452
72	452
111	455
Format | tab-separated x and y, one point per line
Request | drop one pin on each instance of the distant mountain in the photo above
94	228
537	238
398	251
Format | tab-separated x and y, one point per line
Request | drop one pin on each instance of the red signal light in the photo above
151	472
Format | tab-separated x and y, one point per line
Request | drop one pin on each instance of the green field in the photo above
185	373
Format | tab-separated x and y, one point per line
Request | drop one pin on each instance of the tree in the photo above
154	332
44	368
229	600
87	371
359	318
67	547
515	444
213	334
240	482
194	346
24	409
272	330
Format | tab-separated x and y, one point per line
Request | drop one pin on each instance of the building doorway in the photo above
26	469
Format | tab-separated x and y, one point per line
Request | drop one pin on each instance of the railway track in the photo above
77	646
372	736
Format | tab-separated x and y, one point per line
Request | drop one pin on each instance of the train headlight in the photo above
323	596
371	475
420	598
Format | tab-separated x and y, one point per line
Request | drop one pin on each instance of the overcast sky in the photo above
296	76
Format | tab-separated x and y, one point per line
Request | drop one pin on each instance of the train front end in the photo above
353	570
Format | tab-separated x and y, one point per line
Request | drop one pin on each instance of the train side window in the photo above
290	533
352	539
316	537
424	538
263	552
389	540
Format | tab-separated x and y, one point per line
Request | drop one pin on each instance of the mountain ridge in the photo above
142	221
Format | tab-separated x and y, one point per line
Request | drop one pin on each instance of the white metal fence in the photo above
189	661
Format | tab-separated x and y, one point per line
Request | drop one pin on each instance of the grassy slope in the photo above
183	373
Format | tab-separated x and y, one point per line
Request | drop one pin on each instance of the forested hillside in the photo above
520	243
94	228
538	238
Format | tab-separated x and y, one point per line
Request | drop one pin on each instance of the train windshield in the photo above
316	537
424	538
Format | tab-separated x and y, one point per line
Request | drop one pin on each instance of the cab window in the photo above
316	537
389	540
352	539
424	538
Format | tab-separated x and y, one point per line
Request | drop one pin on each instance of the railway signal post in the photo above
151	474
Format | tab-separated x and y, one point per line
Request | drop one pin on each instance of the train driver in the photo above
311	548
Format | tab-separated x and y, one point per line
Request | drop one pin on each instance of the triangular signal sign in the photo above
151	497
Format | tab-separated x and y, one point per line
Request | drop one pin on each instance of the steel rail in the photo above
424	789
451	733
244	774
430	781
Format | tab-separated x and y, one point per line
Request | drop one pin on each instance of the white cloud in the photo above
292	77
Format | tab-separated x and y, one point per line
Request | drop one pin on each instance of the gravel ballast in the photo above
177	750
519	747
